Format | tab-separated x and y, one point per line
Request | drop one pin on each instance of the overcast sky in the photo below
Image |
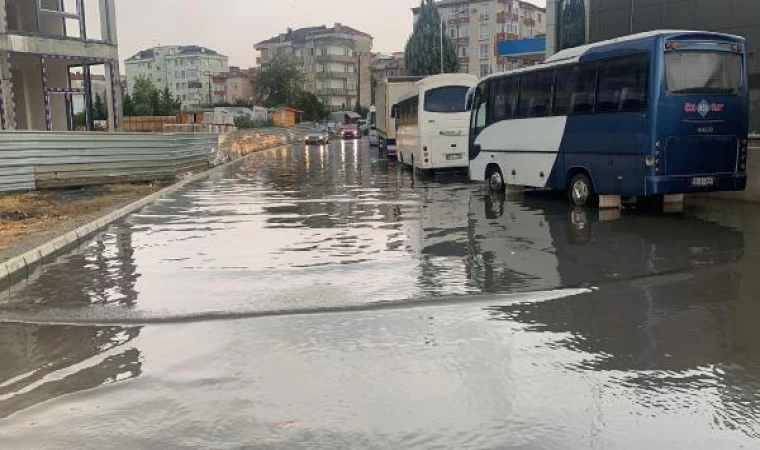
232	27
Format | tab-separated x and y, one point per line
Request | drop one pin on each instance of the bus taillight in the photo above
672	46
736	48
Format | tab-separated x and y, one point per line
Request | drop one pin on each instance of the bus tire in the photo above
495	179
581	190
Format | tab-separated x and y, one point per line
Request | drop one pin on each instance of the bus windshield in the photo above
703	72
448	99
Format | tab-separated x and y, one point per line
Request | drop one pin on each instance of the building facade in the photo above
187	70
476	27
335	62
42	44
235	86
576	22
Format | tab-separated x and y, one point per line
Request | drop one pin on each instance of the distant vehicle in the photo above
388	93
350	132
432	123
654	114
372	121
319	136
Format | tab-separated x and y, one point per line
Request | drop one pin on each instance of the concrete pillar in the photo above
114	103
551	27
108	22
6	90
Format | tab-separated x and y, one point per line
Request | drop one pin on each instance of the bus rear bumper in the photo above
686	185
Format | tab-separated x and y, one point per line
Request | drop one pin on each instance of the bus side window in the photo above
574	91
536	94
623	84
504	93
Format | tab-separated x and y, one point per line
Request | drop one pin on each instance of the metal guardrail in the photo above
40	160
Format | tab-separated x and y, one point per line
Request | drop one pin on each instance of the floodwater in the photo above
321	297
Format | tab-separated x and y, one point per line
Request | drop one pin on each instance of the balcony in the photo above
335	58
340	75
506	37
458	20
505	17
339	92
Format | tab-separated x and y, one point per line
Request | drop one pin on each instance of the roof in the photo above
574	54
183	50
300	35
440	3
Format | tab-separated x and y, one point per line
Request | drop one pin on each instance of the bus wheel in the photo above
495	180
581	190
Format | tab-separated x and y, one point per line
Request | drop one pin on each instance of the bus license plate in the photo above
703	181
453	156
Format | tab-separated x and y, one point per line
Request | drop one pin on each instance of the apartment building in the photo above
237	85
43	43
478	26
388	65
335	62
187	70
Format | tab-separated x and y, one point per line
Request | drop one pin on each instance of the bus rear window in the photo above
449	99
703	72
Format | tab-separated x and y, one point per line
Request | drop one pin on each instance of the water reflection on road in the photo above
421	348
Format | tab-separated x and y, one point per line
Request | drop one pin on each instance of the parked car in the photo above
319	136
350	132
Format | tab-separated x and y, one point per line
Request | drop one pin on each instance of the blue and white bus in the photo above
654	114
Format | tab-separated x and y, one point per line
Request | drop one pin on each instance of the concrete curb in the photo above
21	267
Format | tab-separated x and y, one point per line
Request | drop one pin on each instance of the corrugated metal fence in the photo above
39	160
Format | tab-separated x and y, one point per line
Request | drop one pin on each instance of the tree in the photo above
279	83
129	106
167	104
423	50
144	96
99	109
313	109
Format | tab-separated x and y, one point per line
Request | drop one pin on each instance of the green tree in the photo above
99	109
129	105
167	104
145	97
423	49
313	109
279	83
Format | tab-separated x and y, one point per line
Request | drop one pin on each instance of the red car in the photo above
350	132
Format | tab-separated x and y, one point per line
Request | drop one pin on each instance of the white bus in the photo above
432	126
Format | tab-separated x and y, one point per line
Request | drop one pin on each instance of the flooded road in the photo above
324	298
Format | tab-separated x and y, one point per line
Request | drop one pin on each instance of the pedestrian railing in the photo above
41	160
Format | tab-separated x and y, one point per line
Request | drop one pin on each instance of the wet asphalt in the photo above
323	297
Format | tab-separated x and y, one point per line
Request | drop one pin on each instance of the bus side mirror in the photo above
468	100
394	112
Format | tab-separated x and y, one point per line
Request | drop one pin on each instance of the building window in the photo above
464	31
324	51
462	50
501	67
485	69
453	32
484	51
483	32
539	17
464	68
177	86
483	11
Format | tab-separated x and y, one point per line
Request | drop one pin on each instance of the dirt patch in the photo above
30	219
